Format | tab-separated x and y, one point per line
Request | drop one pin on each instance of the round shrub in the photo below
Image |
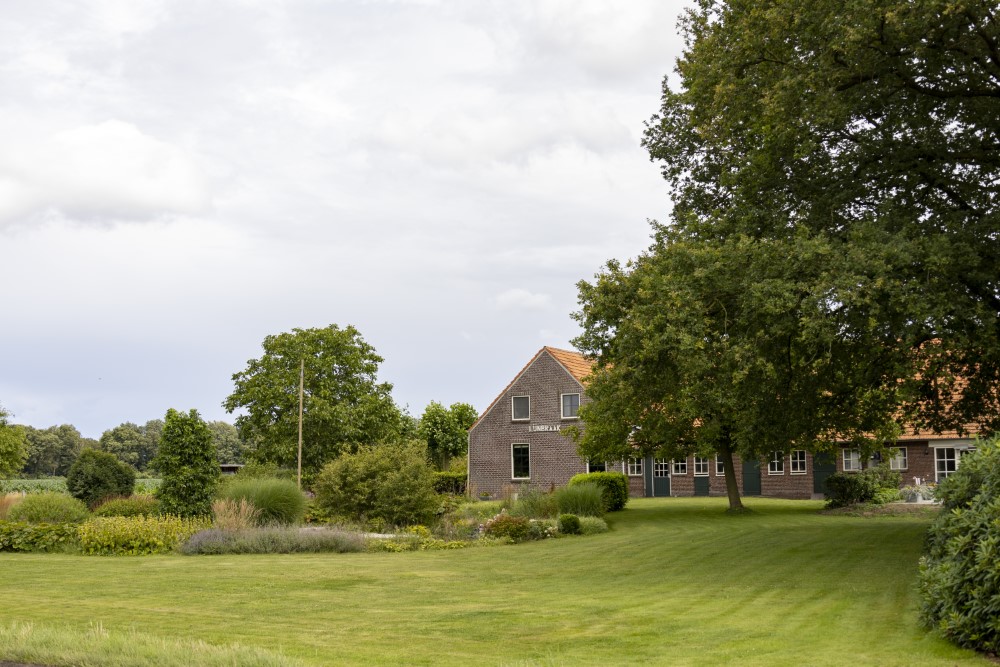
49	508
592	525
515	528
278	501
569	524
96	475
877	485
140	505
584	499
614	487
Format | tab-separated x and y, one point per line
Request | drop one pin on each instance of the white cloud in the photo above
521	299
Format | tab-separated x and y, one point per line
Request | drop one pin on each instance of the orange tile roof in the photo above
578	365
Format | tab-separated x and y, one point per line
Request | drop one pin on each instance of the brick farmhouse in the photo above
517	442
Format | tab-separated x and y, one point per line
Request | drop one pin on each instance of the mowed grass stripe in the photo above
676	581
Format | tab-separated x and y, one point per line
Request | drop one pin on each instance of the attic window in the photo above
520	408
570	406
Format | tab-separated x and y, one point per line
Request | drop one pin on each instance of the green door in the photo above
701	486
824	465
751	478
661	477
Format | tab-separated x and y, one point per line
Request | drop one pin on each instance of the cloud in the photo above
105	171
521	299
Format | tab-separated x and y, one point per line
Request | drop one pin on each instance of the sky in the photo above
180	179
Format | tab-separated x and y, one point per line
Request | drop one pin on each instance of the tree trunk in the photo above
732	489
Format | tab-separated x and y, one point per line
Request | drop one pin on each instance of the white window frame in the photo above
776	463
940	474
701	466
562	406
661	467
679	467
720	466
798	462
851	460
603	463
512	446
900	459
513	416
634	467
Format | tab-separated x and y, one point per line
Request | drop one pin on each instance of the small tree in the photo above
13	447
96	475
188	465
446	431
391	483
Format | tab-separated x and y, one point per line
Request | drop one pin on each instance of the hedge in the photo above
23	536
450	482
614	487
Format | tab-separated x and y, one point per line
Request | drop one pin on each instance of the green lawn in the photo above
676	581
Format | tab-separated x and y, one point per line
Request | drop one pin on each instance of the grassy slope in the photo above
676	581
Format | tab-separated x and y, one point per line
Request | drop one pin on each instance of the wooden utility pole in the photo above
302	377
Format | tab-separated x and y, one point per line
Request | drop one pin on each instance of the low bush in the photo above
49	507
47	537
450	482
591	525
272	540
514	528
138	505
6	502
872	485
534	503
137	535
278	501
960	572
235	514
57	484
614	487
96	475
569	524
584	499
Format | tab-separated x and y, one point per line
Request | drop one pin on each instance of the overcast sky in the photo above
180	179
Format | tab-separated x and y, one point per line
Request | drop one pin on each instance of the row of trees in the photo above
831	269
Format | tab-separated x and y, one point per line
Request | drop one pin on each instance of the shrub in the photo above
137	535
139	505
272	540
49	508
450	482
19	536
147	486
581	499
278	501
614	487
6	502
186	459
569	524
392	484
591	525
534	503
96	475
235	515
514	528
874	485
959	574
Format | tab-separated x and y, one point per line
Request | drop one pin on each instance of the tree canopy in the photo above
446	431
133	444
51	451
344	404
13	446
186	461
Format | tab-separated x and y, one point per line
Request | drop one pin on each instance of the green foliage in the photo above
49	508
569	524
57	484
614	487
46	537
133	444
877	485
278	501
344	407
391	483
535	503
272	540
13	447
450	482
137	535
147	486
187	462
138	505
52	451
592	525
960	573
446	431
96	475
582	499
503	525
229	448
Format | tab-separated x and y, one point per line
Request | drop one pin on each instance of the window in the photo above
798	462
570	406
520	407
945	462
680	467
596	466
852	459
634	467
700	466
898	460
720	466
520	461
776	464
661	468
